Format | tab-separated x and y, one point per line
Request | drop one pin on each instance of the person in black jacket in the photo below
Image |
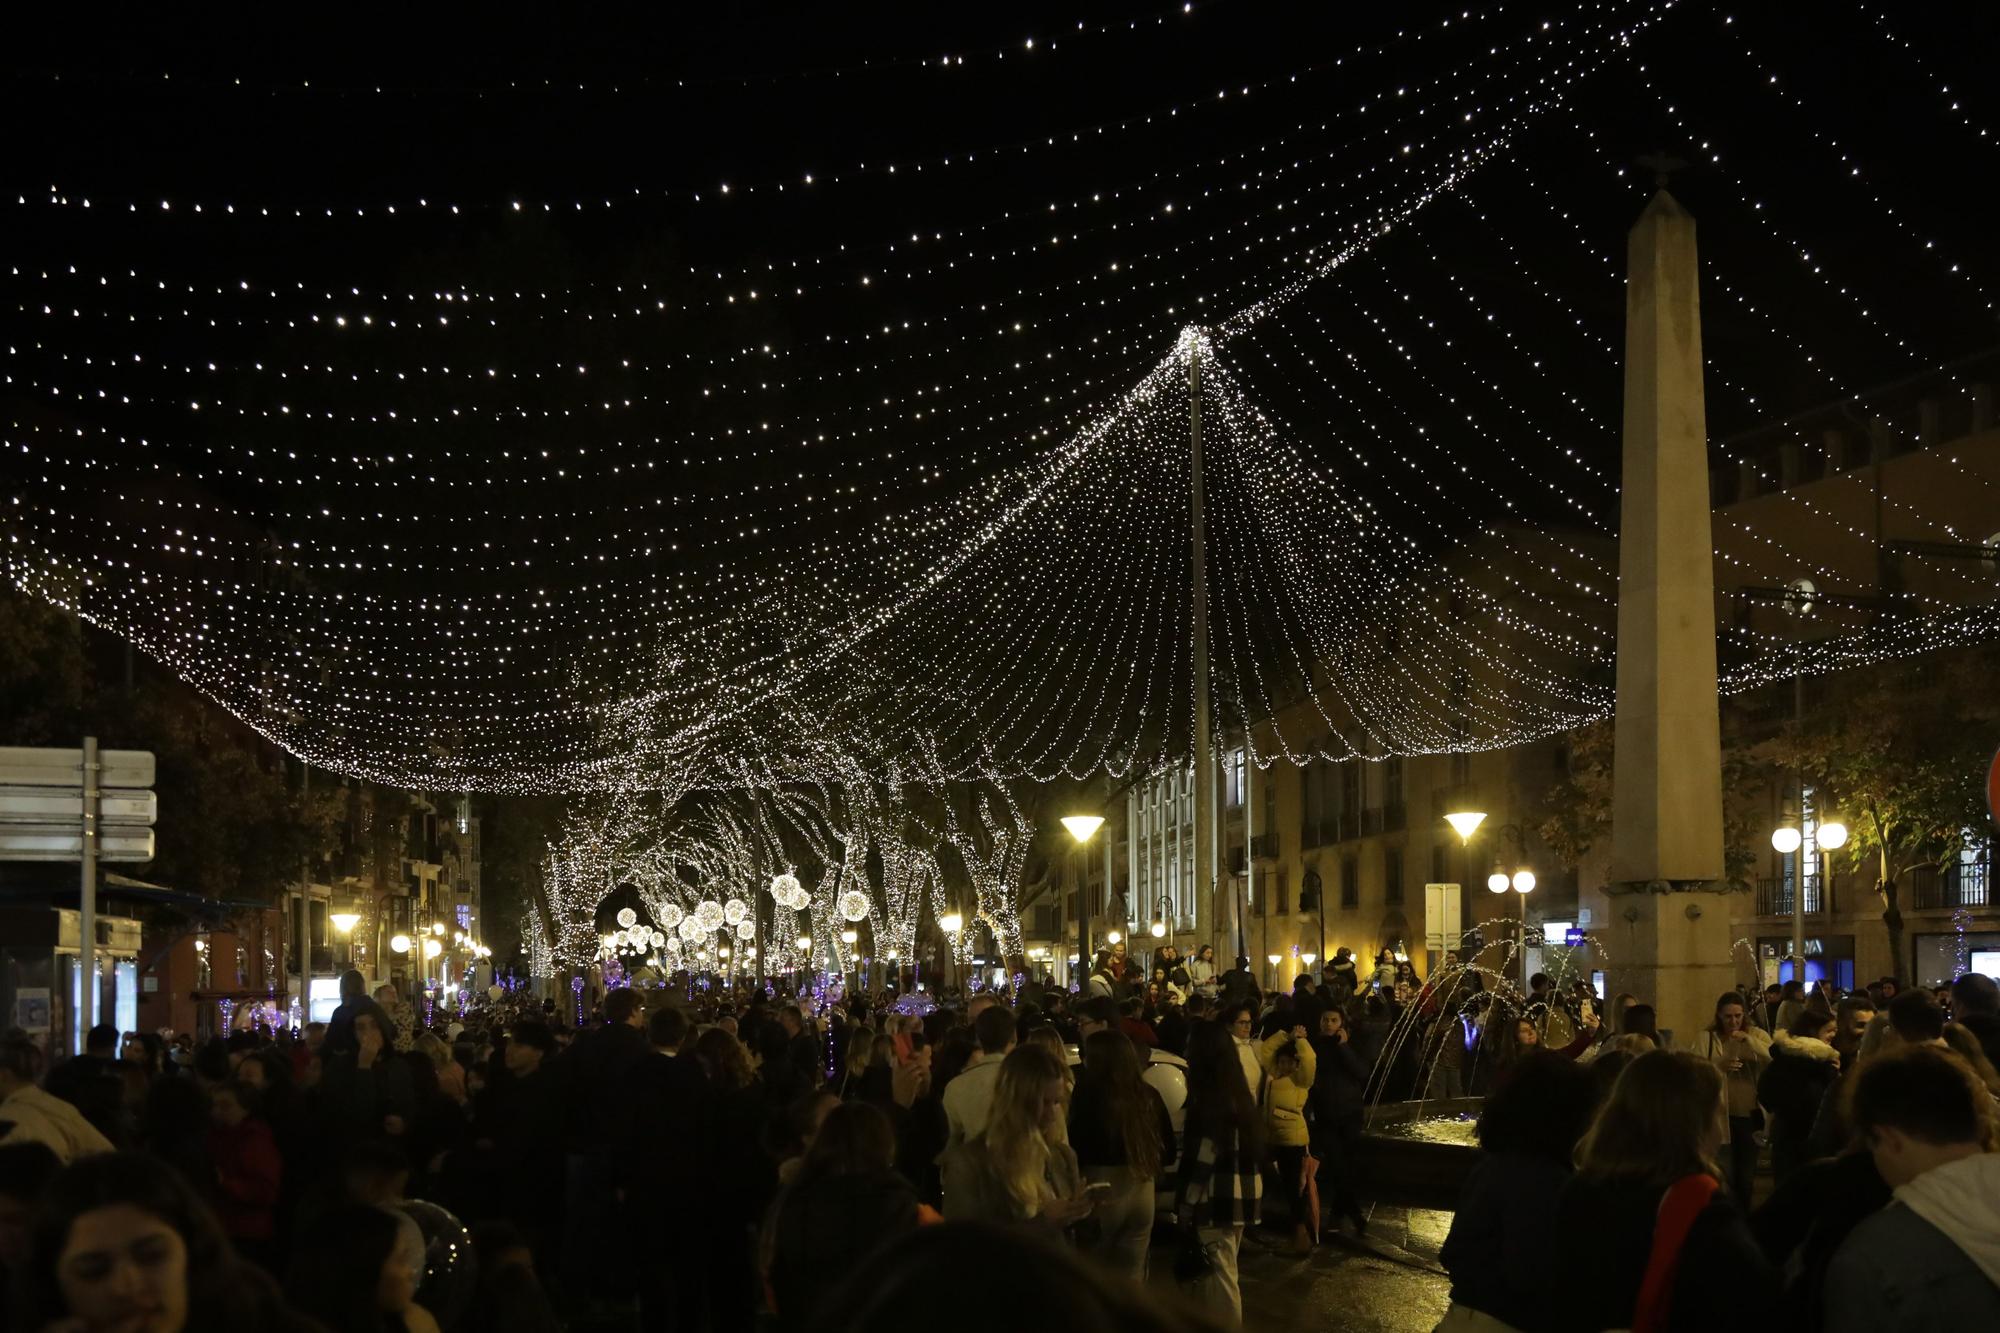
601	1141
1123	1138
1662	1126
667	1089
1340	1084
1975	1006
1506	1214
846	1202
518	1128
1803	1066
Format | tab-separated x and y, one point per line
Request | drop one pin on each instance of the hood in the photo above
1805	1048
1962	1199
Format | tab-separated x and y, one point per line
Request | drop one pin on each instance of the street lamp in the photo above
1162	909
345	922
1465	823
1082	828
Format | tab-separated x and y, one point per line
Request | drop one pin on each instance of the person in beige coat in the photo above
29	1115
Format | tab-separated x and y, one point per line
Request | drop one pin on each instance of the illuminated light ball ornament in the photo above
627	917
784	886
659	939
854	905
690	929
670	915
709	914
734	911
746	930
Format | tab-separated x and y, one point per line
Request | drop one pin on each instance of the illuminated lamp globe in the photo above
1786	840
1308	958
1832	834
1497	881
627	917
1465	822
951	923
437	928
849	936
1082	827
734	911
432	948
854	905
1524	881
399	944
1272	958
1159	928
805	943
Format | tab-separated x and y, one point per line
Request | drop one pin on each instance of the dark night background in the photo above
661	478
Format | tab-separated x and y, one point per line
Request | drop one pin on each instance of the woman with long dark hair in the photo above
356	1270
737	1176
1649	1240
121	1241
1221	1184
1741	1052
846	1202
1122	1135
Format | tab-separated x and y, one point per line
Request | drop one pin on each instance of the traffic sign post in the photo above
84	805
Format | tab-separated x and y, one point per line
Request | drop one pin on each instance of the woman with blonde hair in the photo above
1650	1239
1021	1168
451	1074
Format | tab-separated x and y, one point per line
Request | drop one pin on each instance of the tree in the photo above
1899	751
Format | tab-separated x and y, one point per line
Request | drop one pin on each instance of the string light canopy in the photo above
886	483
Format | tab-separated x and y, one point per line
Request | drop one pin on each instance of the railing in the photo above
1774	896
1961	884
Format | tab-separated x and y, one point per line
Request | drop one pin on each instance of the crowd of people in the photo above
736	1158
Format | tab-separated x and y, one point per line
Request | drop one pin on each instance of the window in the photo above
1309	891
1439	875
1350	789
1350	883
1392	782
1392	876
1278	887
1233	778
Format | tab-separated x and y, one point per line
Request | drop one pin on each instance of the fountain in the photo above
1418	1148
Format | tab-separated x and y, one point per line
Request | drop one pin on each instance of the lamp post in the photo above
1082	828
1521	879
1787	838
344	924
1465	823
951	923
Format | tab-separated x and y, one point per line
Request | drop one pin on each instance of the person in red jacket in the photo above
248	1171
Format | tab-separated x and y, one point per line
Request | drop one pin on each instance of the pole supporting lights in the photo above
1082	828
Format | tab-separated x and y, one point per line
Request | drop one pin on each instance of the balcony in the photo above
1774	897
1960	884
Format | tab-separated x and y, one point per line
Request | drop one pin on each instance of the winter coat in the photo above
1285	1098
1791	1086
1499	1240
825	1229
248	1173
30	1115
1930	1260
1605	1228
1754	1051
1340	1078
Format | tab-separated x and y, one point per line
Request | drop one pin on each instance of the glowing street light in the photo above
950	923
1465	823
1083	827
345	922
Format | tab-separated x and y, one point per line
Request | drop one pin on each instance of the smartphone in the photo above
1097	1189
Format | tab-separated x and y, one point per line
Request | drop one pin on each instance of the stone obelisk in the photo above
1669	920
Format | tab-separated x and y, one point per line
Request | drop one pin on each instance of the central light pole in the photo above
1082	828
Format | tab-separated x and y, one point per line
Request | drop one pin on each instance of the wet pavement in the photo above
1387	1281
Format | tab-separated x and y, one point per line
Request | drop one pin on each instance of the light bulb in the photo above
1497	882
1786	840
1524	881
1113	936
1159	929
399	944
1832	834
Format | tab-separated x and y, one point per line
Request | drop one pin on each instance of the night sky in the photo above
603	386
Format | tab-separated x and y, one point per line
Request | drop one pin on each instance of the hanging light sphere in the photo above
670	915
784	886
627	917
709	913
854	905
746	930
1786	840
734	910
1497	882
690	929
658	939
799	899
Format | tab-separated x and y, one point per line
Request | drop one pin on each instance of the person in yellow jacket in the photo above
1289	1065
